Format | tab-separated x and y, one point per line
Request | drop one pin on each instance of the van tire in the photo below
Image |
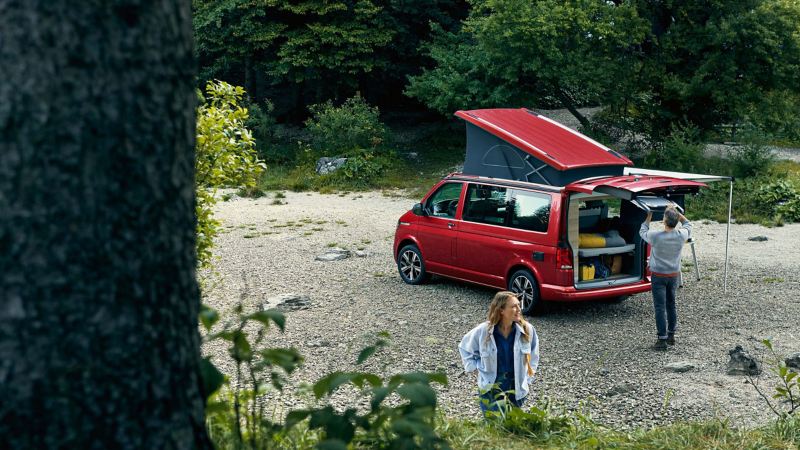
523	284
411	266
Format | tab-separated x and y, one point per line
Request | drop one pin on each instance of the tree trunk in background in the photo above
99	345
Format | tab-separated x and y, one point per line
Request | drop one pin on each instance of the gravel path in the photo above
593	354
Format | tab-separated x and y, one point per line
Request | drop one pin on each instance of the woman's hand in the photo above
649	217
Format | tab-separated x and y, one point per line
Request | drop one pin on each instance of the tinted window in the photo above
486	204
444	202
531	211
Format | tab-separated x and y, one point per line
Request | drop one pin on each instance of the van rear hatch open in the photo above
628	187
608	250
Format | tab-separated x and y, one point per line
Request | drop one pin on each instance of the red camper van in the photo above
540	210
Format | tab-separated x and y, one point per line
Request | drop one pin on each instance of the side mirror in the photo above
418	210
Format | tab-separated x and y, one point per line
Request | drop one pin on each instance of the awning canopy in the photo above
682	175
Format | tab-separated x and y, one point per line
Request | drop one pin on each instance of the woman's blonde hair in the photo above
496	310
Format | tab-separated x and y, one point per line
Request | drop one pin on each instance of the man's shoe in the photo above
660	345
671	339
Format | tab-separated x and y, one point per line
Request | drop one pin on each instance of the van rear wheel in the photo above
523	284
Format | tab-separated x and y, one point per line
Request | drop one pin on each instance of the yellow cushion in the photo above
592	240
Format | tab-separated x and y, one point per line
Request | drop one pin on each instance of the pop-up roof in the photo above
519	144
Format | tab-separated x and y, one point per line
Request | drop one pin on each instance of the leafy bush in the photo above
361	170
262	124
539	421
752	159
682	151
236	412
225	157
781	198
349	129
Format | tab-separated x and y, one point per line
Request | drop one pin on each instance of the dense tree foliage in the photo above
654	64
302	52
533	53
714	61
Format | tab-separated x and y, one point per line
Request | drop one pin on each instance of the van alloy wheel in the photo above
524	286
411	266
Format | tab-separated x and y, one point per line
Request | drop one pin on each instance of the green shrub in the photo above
235	411
780	198
262	124
225	157
752	159
360	171
238	415
538	421
683	151
349	129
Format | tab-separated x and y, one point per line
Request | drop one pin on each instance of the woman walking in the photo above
505	352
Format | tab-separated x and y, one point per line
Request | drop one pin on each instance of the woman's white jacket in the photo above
479	351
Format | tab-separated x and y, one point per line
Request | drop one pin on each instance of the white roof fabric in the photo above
680	175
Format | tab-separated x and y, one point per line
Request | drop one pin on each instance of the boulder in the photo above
680	366
287	302
334	254
326	165
793	361
741	363
622	388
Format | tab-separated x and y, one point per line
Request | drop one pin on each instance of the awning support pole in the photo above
727	237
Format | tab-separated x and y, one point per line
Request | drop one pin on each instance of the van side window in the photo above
444	202
486	204
531	211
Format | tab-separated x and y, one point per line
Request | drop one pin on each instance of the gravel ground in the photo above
594	355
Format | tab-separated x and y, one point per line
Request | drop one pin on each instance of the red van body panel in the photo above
488	254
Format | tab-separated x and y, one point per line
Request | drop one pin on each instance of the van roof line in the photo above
503	182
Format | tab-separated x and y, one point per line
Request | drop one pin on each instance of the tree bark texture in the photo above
99	346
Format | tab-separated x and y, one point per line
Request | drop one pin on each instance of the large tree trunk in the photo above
99	345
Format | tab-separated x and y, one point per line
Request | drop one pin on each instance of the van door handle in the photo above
451	225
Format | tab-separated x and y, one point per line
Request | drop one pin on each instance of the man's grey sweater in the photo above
665	256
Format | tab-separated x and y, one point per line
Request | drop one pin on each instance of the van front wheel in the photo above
411	265
523	284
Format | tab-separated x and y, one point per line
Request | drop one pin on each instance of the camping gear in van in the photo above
614	262
592	240
586	272
610	238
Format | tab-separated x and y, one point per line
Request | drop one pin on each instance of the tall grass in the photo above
708	434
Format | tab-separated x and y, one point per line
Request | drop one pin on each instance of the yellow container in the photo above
587	272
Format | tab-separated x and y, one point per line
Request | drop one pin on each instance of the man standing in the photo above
665	268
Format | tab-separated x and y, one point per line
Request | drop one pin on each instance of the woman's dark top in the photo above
505	357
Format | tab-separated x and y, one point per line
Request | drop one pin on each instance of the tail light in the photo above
564	258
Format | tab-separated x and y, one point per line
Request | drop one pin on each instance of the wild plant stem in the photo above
236	401
769	403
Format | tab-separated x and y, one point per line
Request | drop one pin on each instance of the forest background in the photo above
378	81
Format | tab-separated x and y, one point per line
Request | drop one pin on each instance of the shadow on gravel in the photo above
579	312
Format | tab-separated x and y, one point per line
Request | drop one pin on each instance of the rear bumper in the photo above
557	293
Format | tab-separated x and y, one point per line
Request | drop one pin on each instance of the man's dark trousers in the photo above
665	290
